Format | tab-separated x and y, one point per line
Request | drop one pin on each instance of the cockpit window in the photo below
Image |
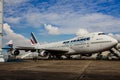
101	33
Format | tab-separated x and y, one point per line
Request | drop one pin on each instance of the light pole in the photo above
1	27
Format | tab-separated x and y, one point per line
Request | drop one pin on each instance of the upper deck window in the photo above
101	33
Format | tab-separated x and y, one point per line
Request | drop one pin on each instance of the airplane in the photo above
84	45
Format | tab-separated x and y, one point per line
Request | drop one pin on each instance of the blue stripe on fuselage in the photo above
33	38
77	40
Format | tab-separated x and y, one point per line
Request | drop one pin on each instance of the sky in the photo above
55	20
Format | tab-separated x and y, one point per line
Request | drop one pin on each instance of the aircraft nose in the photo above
114	42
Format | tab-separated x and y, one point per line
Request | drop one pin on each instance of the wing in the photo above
51	50
32	49
56	50
25	48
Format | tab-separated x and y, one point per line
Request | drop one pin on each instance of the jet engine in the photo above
16	52
44	53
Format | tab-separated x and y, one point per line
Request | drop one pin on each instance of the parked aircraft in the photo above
84	45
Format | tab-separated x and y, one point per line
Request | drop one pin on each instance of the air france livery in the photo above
84	45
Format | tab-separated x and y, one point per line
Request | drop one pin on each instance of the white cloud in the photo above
116	36
34	19
13	2
69	23
68	15
13	20
18	39
51	29
82	32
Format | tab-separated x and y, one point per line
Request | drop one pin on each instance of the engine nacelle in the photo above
16	52
44	53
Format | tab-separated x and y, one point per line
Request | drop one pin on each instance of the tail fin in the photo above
10	43
33	39
8	46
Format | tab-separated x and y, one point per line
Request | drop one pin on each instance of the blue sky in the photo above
54	20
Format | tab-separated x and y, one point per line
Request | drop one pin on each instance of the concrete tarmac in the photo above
61	70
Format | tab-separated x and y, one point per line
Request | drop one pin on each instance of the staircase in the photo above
115	52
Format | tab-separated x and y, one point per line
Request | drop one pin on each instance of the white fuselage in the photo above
90	43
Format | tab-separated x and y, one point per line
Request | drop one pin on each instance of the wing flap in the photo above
25	48
52	50
47	49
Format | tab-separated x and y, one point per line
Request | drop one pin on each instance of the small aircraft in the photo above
84	45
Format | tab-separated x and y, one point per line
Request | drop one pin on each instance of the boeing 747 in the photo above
83	45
